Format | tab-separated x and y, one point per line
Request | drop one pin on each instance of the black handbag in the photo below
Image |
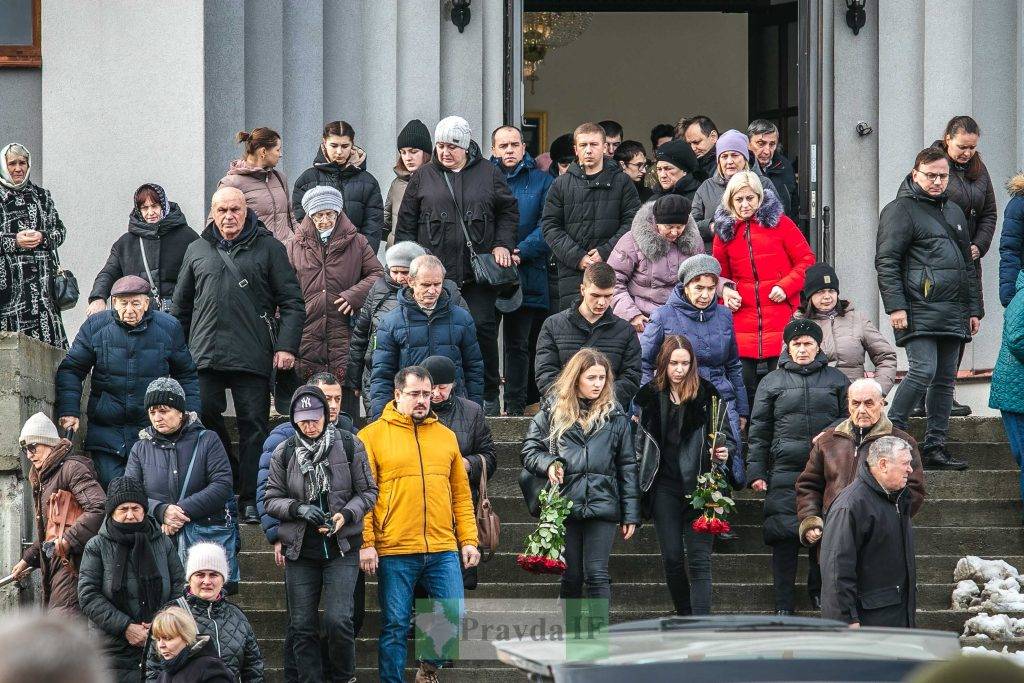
63	287
486	270
648	456
531	485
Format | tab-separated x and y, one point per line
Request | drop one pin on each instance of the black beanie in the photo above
415	135
165	391
441	369
801	327
679	154
820	276
561	149
672	209
124	490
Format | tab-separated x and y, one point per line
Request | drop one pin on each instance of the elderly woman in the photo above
766	255
129	569
153	248
30	233
188	657
184	469
232	636
336	269
677	169
57	471
646	259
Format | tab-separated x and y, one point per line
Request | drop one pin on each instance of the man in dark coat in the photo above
125	348
701	133
229	321
929	288
587	210
591	322
869	574
459	181
765	152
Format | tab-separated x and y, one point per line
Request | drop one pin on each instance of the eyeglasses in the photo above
30	448
932	177
129	303
416	394
639	165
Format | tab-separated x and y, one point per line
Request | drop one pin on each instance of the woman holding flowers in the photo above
687	418
582	442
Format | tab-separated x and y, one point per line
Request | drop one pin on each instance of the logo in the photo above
828	279
305	403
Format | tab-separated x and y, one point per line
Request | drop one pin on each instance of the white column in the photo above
303	84
223	88
948	63
264	65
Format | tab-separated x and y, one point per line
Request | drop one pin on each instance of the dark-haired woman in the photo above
153	248
265	188
675	408
340	164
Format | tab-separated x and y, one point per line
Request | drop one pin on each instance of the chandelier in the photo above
545	30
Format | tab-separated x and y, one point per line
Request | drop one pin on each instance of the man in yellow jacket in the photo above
409	535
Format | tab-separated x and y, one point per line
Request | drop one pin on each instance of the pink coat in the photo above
647	266
266	193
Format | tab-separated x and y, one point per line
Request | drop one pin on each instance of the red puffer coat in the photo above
758	254
345	267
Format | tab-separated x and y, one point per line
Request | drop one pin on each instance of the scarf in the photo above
228	245
134	552
325	235
312	456
5	176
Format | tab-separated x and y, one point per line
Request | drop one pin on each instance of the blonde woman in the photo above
766	255
189	657
581	441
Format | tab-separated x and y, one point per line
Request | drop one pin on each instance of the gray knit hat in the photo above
322	198
165	391
401	254
39	429
697	265
454	130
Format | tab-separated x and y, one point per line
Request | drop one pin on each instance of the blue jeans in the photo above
441	576
109	466
1013	423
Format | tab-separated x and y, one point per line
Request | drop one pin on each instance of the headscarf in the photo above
5	176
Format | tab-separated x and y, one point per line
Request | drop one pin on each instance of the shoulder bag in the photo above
63	286
486	270
154	291
648	455
62	511
488	524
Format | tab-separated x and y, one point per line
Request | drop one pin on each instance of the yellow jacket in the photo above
424	505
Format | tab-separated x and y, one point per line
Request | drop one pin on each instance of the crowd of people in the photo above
668	302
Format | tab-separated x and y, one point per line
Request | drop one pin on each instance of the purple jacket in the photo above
647	266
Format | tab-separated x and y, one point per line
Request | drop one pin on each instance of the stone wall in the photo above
26	387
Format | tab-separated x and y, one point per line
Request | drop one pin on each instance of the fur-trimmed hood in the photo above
654	246
768	215
1015	185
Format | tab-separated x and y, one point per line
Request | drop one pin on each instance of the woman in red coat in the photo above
766	255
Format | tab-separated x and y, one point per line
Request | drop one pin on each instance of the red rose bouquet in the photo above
544	547
708	496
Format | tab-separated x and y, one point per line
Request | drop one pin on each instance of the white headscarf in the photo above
5	176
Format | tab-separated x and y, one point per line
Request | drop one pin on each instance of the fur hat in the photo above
454	130
208	557
39	429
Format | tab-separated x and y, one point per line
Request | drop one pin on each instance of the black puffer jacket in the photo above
476	444
428	214
581	214
219	321
96	594
600	473
792	405
364	205
165	243
922	255
868	567
197	663
234	641
382	299
565	333
161	464
977	199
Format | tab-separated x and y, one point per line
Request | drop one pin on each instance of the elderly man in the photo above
125	348
232	283
763	136
838	451
869	576
426	323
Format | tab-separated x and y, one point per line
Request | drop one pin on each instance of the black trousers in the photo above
251	394
291	669
784	560
588	546
685	553
522	327
480	300
754	371
308	583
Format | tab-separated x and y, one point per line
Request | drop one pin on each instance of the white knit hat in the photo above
454	130
39	429
209	557
321	198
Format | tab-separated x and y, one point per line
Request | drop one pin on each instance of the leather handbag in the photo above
62	511
488	524
63	287
486	270
648	456
531	485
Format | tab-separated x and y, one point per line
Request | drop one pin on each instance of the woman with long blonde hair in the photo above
581	441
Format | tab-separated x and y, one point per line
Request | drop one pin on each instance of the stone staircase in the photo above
976	512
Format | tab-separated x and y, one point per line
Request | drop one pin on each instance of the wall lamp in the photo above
460	14
856	17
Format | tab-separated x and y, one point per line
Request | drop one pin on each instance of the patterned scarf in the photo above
312	456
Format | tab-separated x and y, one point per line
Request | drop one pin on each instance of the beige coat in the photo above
266	193
393	201
845	340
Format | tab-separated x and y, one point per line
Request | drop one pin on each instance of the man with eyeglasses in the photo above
422	529
125	348
929	288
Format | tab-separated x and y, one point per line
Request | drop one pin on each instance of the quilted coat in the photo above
266	193
1008	375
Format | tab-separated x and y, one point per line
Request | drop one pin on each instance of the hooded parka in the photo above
758	254
924	265
792	405
583	213
266	193
345	267
1011	240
